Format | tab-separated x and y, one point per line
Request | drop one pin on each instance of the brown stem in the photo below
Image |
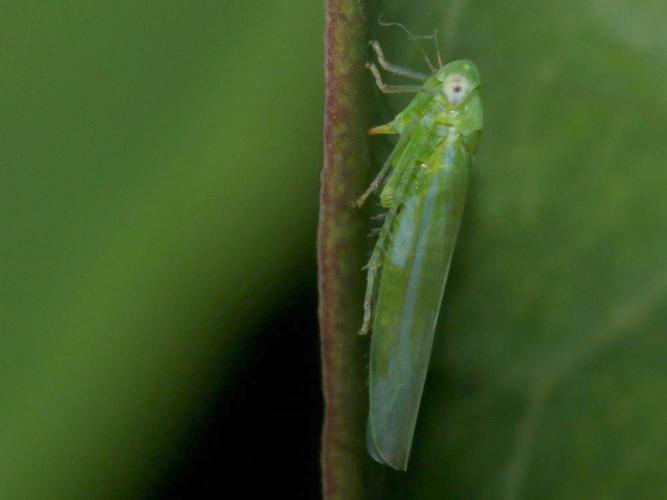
341	245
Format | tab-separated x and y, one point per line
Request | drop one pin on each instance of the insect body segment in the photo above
424	182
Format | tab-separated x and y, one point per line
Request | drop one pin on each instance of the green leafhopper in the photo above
424	182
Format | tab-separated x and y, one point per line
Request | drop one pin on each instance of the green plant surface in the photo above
547	378
156	194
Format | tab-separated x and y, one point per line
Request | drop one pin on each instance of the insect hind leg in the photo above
384	240
373	267
368	300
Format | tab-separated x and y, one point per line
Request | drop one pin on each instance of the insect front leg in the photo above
391	89
393	68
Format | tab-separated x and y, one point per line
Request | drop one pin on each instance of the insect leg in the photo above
375	262
368	298
392	68
374	185
373	267
383	171
391	89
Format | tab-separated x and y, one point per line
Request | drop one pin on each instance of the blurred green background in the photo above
549	372
158	181
158	194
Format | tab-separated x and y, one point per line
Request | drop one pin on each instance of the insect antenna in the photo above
412	37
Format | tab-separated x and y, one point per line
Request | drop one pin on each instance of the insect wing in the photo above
412	283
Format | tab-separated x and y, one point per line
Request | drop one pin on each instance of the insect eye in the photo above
456	87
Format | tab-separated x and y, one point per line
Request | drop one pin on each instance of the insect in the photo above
424	182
